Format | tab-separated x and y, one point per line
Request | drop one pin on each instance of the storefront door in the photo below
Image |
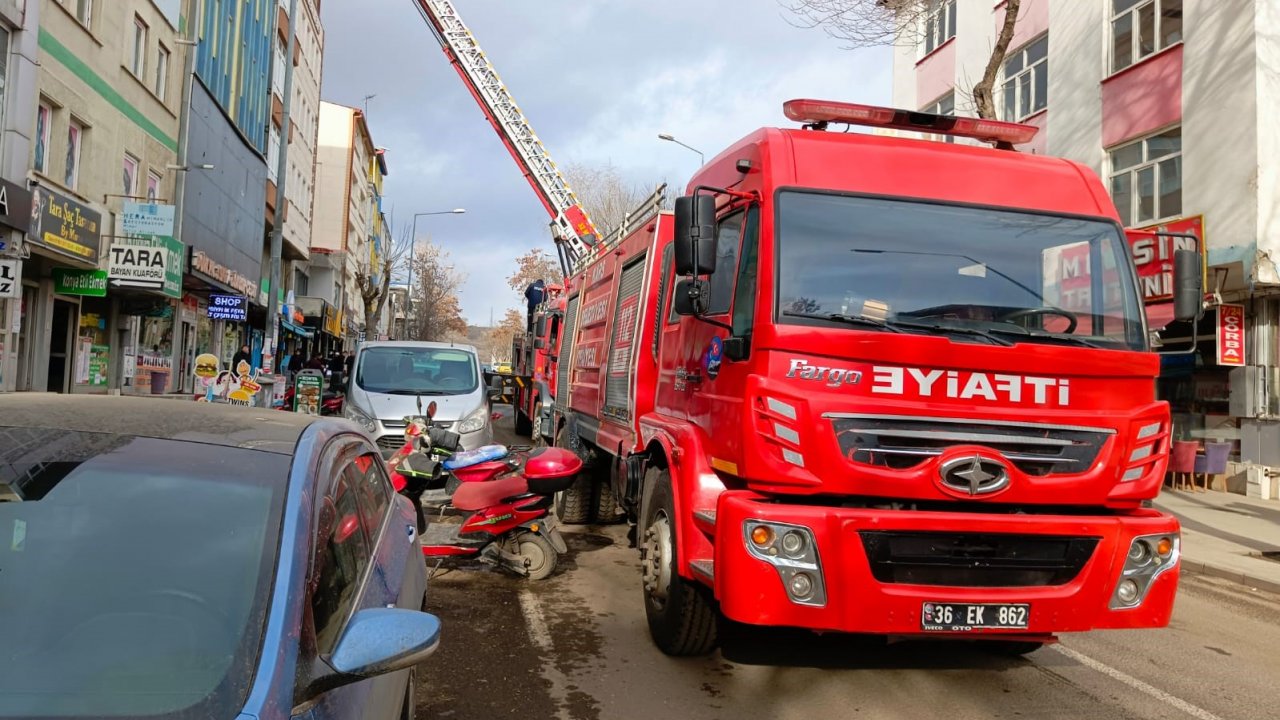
26	327
185	378
62	344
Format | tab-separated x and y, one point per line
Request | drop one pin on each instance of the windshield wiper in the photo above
846	319
1070	339
941	328
404	392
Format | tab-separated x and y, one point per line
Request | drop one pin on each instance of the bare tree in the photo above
436	309
867	23
374	283
604	194
537	264
499	338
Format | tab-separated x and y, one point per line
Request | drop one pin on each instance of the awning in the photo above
296	329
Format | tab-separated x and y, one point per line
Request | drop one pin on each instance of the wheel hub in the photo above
656	558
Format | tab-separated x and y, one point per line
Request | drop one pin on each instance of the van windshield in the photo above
973	274
417	370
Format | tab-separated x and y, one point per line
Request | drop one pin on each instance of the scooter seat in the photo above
467	458
480	495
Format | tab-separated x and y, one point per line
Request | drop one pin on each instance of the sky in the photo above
597	80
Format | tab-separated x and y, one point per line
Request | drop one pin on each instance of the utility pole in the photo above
271	331
192	10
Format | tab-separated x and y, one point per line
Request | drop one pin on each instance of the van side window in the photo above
728	237
744	296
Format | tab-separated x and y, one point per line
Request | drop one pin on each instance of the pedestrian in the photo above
315	363
534	295
241	354
350	362
335	368
295	362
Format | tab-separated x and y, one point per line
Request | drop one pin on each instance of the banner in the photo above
1231	335
1153	254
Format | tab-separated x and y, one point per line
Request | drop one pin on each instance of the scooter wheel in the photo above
539	556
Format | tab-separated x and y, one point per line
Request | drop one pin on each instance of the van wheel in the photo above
524	426
682	615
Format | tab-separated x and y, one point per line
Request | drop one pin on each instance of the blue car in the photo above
179	560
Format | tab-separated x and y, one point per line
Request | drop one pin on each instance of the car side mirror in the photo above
695	235
1188	286
691	297
378	641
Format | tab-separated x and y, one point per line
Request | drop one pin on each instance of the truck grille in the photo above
904	442
968	560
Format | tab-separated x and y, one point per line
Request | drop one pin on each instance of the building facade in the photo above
1172	103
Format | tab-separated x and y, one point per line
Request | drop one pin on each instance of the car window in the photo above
373	490
343	557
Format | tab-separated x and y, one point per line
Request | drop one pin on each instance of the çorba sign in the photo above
202	263
1231	335
64	225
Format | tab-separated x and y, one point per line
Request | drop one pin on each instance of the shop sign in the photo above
62	224
1231	335
228	307
15	206
154	263
146	219
202	263
90	283
1153	254
308	387
332	321
10	278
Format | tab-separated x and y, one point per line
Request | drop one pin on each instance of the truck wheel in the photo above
524	426
682	616
606	506
573	506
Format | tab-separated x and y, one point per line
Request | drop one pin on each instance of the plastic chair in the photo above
1183	462
1213	463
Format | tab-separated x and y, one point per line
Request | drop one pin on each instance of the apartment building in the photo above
1173	103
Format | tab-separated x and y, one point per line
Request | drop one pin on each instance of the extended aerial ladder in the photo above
574	234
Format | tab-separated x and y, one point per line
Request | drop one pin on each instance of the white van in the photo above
389	377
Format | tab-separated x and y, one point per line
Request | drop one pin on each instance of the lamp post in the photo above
672	138
413	247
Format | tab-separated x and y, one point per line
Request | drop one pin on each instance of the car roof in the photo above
418	344
186	421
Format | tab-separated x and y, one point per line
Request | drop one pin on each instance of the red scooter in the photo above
504	498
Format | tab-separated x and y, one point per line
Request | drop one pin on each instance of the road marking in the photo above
1136	684
538	631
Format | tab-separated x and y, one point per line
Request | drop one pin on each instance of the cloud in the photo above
598	81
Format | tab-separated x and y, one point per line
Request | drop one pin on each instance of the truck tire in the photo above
524	425
573	506
605	511
682	615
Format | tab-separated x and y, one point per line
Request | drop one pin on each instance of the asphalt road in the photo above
576	647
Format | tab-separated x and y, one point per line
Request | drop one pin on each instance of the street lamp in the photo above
413	248
672	138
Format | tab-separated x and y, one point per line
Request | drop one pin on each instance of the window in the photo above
664	296
162	73
139	62
44	118
4	68
1146	178
945	105
1026	80
1140	28
153	187
82	9
728	238
75	135
373	490
130	178
344	556
939	24
744	295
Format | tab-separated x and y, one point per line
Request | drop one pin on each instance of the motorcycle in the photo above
504	496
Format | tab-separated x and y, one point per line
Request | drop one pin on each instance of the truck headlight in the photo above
791	550
474	422
1148	557
354	414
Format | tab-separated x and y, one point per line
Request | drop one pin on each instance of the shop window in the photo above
75	136
44	121
1026	80
1141	28
1146	178
939	24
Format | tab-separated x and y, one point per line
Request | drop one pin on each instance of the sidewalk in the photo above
1225	535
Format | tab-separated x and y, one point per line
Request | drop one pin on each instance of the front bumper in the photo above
751	590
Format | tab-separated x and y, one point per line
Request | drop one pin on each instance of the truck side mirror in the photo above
1188	288
540	326
539	344
691	297
695	236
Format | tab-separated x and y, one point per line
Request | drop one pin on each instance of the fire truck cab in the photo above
866	383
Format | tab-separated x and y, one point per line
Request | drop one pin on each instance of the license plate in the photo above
963	617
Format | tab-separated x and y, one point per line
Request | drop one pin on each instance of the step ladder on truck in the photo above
873	384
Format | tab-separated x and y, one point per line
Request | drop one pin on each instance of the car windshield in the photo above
973	274
417	370
134	574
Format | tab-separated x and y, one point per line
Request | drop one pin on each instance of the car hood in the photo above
449	408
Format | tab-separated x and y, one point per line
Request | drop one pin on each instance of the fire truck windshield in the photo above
975	274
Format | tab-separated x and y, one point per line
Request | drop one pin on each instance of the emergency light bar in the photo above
817	113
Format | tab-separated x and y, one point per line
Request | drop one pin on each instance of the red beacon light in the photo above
816	114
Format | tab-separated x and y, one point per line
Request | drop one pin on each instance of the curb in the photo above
1245	579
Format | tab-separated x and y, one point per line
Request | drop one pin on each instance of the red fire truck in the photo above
865	383
533	357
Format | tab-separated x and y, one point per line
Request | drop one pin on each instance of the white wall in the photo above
1078	37
1267	80
333	157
